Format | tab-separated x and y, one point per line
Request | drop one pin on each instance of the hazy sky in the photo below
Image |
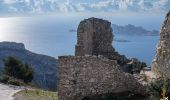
10	7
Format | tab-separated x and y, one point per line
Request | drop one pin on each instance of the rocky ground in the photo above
7	91
10	92
35	94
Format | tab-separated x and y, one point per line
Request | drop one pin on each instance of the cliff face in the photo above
161	63
44	67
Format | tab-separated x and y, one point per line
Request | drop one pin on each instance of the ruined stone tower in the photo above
161	63
94	37
87	73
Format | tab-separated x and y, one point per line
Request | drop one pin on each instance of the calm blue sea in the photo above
50	34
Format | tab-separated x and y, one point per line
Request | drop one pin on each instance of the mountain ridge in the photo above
133	30
45	67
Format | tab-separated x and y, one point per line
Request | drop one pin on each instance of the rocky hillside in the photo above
161	63
133	30
45	67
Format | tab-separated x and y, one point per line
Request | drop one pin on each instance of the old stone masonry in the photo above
96	67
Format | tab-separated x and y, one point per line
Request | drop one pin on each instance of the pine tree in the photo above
15	68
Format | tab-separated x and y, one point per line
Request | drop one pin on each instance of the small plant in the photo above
37	92
161	76
26	90
161	84
15	81
144	75
4	78
164	89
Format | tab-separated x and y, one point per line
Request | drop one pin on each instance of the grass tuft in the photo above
35	94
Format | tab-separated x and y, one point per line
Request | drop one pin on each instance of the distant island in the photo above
129	30
133	30
120	40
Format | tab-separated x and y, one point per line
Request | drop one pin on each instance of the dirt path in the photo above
7	91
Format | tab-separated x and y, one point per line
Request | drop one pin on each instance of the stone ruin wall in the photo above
90	37
94	37
97	67
81	76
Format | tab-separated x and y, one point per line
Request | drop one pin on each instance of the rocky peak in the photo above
12	45
162	60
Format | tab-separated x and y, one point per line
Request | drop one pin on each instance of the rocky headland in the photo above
133	30
44	67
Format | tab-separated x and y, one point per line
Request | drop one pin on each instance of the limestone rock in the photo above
44	67
161	63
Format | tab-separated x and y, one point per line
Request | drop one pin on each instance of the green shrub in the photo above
16	82
4	78
10	80
160	88
164	89
15	68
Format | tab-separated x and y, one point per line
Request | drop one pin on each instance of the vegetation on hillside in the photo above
16	69
35	94
16	72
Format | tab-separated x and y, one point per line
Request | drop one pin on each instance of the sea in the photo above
50	34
